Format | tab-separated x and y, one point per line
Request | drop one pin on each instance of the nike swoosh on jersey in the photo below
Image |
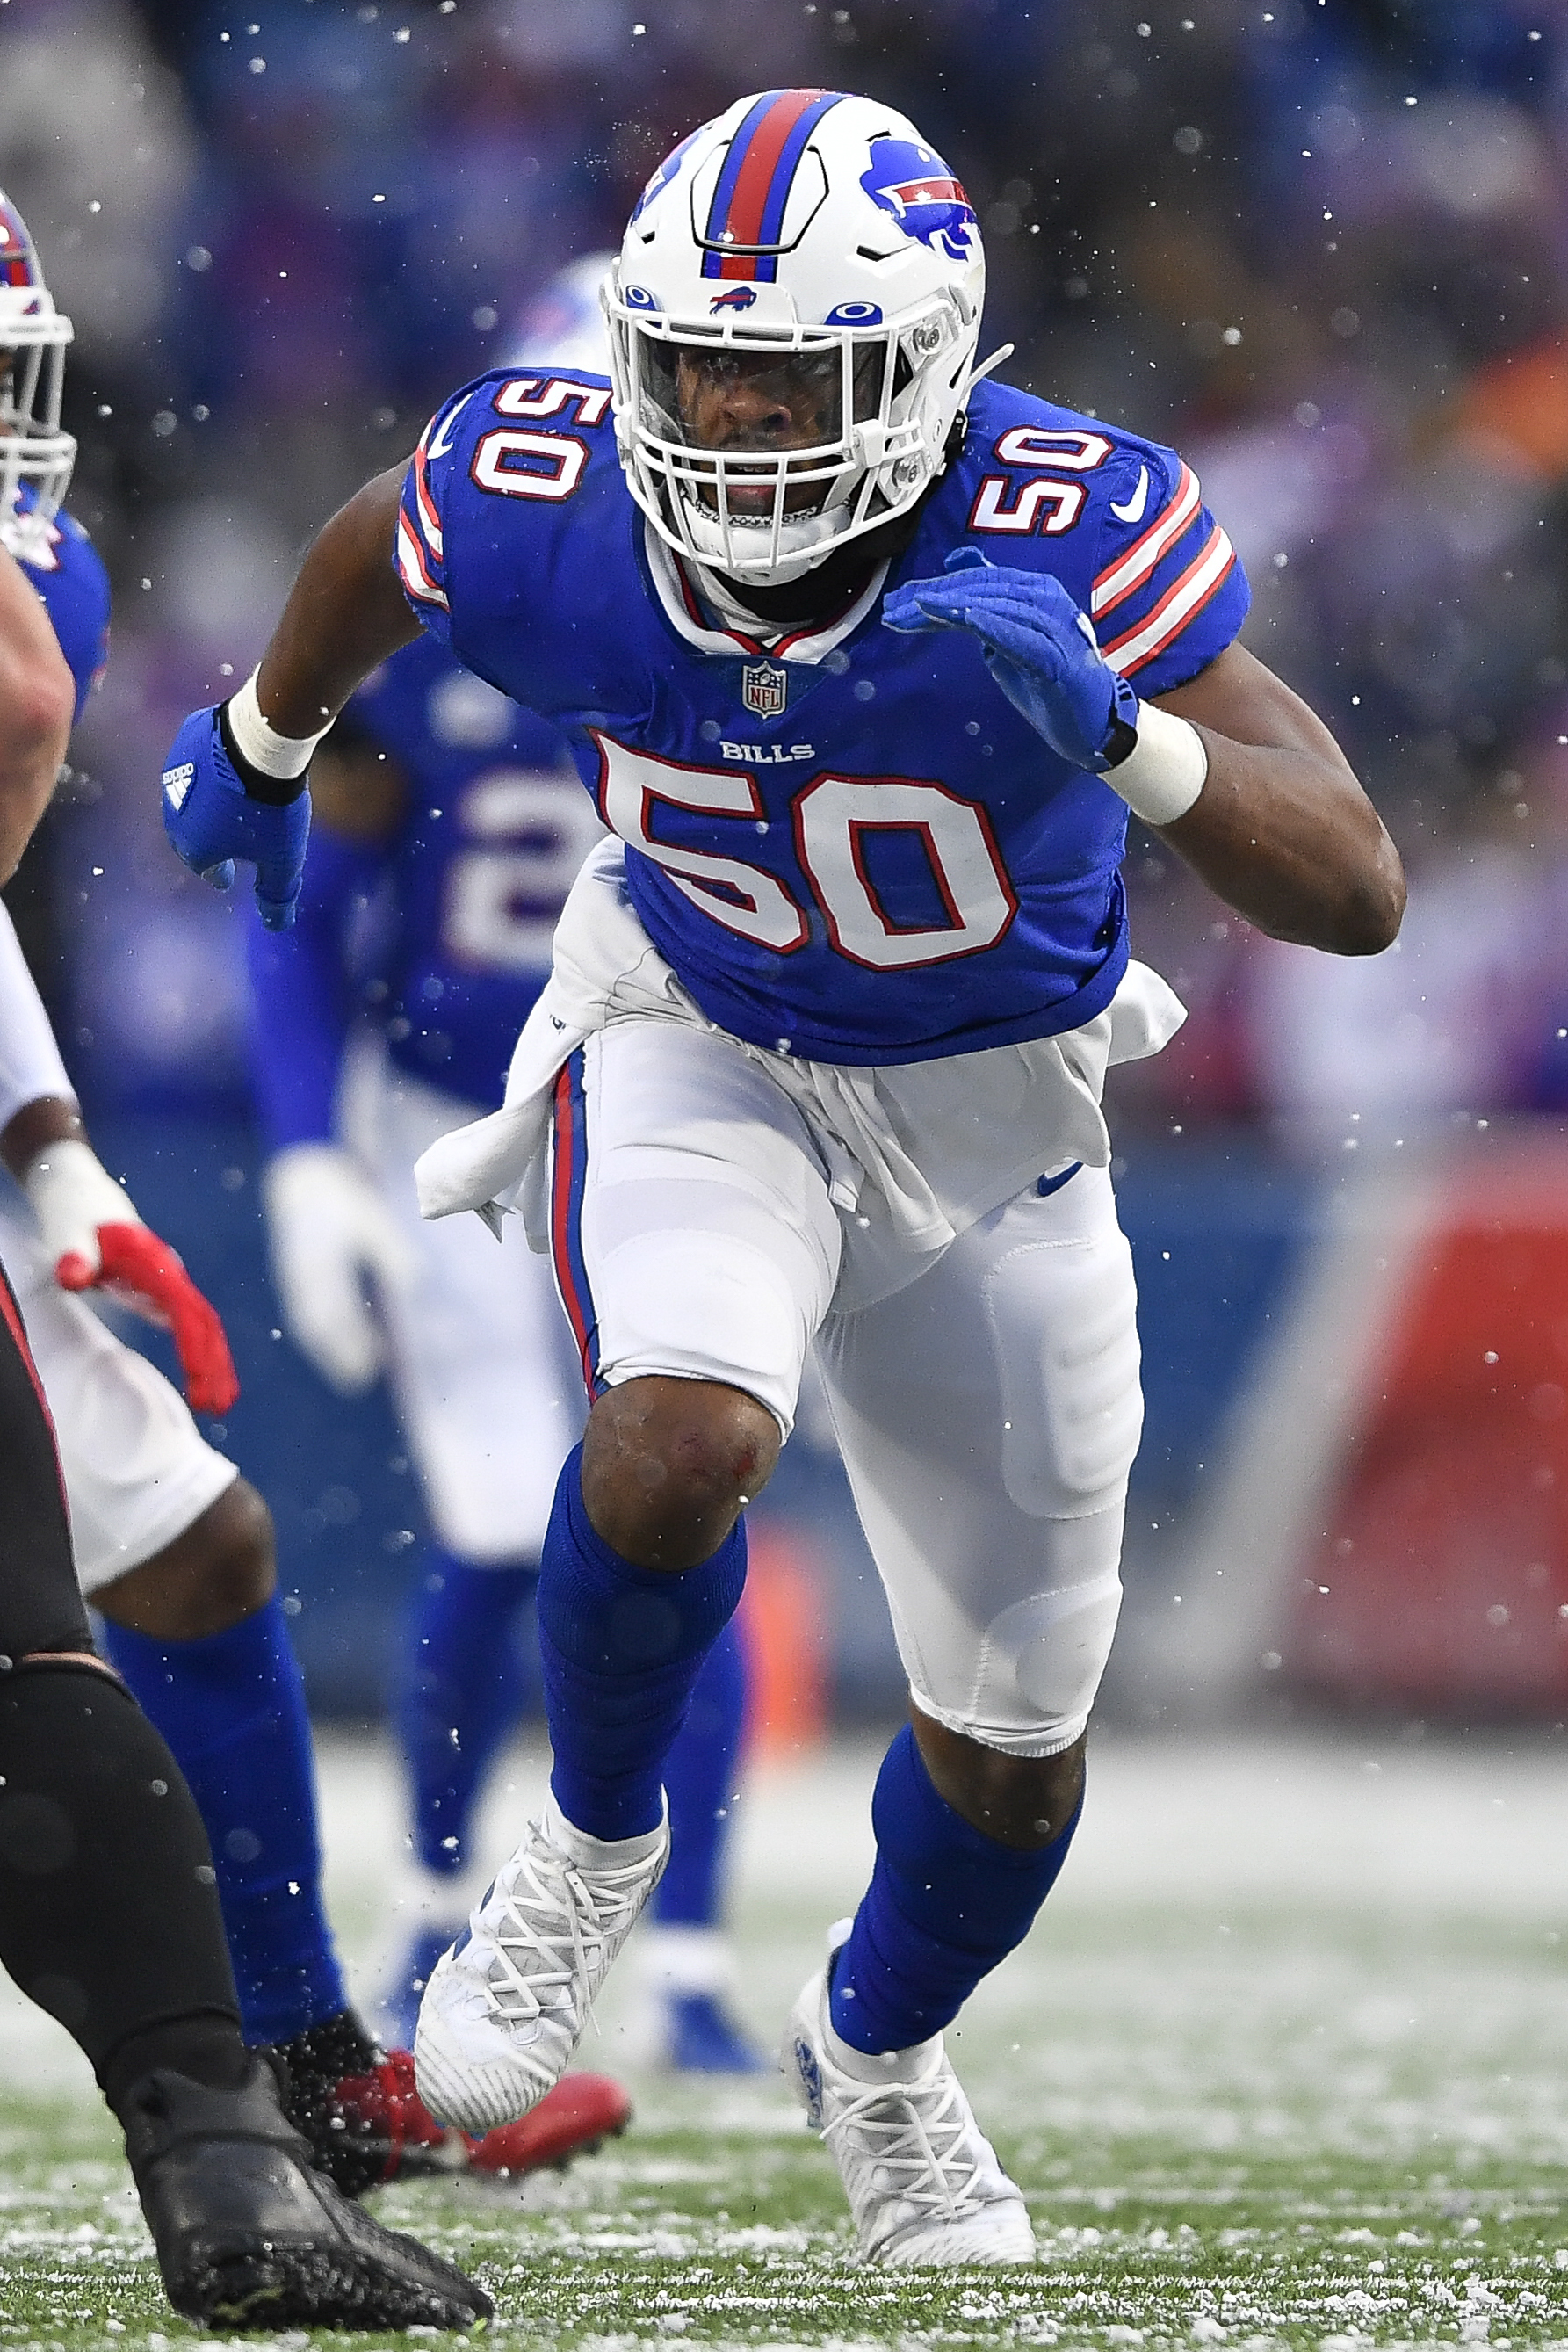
1133	509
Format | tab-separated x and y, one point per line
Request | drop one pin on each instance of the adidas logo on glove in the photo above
177	783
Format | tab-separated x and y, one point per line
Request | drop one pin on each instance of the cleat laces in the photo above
919	2144
551	1933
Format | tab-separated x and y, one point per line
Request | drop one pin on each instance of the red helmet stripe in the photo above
753	188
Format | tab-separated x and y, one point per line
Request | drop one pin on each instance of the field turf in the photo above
1285	2063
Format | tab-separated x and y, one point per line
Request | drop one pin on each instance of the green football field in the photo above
1285	2063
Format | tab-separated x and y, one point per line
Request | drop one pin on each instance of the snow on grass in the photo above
1283	2066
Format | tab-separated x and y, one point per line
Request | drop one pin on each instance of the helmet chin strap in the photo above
827	584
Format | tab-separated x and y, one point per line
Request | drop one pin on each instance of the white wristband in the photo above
258	741
1165	770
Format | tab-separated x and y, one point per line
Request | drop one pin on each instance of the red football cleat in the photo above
572	2120
367	2123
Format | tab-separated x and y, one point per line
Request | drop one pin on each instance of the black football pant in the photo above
109	1908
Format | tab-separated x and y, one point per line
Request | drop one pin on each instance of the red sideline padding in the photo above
1446	1555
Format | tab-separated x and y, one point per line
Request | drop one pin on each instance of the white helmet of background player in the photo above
563	326
32	339
817	241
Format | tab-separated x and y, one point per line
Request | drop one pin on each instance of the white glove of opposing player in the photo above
72	1194
335	1248
96	1241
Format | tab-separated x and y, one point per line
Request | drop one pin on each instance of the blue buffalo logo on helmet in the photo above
917	187
734	297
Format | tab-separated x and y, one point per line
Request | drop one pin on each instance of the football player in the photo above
865	659
458	819
170	1544
108	1917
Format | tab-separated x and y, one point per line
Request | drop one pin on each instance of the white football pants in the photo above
482	1370
989	1409
138	1471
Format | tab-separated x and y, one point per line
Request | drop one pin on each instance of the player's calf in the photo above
969	1842
622	1643
199	1634
948	1899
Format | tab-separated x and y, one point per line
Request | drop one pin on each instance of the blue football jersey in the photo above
496	827
847	842
69	574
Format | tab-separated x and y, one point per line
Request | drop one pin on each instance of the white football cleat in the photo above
503	2008
923	2180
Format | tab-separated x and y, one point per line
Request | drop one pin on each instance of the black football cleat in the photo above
361	2111
249	2235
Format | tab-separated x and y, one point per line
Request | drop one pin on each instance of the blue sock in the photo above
231	1708
945	1904
699	1781
460	1694
621	1648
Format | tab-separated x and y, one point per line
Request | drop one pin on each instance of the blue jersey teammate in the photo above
866	659
461	827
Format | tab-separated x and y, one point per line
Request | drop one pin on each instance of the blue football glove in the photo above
1039	647
213	820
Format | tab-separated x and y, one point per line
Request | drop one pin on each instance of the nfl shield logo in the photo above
764	688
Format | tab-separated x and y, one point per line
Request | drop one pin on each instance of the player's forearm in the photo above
345	614
37	701
1281	830
1274	838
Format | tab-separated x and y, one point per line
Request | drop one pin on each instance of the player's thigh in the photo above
989	1416
690	1222
138	1471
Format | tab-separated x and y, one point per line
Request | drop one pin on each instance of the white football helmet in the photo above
32	339
793	321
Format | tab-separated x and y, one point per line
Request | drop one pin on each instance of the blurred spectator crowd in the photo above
1322	245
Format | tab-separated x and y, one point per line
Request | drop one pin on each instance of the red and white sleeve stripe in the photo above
1120	579
429	521
418	579
421	550
1187	595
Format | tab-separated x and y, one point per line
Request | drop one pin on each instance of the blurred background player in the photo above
108	1915
170	1544
449	825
